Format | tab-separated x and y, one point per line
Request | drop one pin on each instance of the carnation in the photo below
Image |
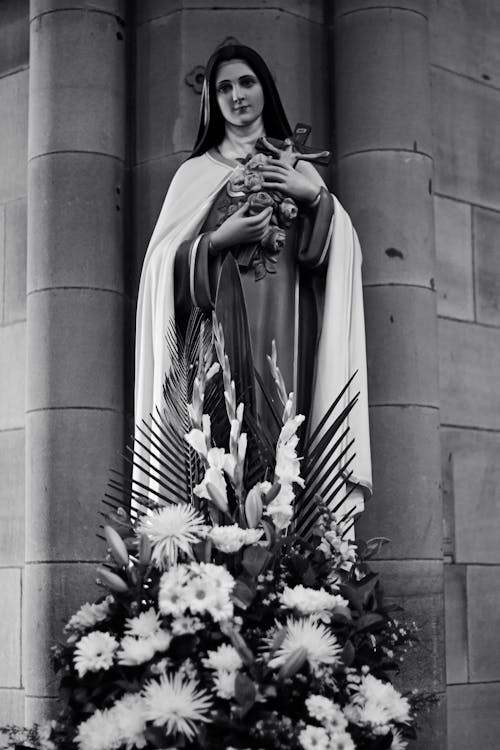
99	732
326	712
135	650
225	658
94	652
128	714
308	601
376	704
146	624
232	538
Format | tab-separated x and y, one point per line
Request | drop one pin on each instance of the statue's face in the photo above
239	93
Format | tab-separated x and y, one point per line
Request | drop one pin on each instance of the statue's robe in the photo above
312	306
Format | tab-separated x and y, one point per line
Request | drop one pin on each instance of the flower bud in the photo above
259	201
274	240
288	211
253	508
295	661
217	497
116	545
111	580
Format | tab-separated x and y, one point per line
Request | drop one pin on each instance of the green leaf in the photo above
348	653
242	595
369	620
255	560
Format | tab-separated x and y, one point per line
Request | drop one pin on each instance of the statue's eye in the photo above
224	88
247	81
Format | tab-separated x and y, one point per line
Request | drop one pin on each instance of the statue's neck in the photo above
239	141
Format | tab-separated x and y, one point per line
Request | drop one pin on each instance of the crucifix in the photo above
294	148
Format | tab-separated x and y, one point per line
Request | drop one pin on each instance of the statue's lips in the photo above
241	109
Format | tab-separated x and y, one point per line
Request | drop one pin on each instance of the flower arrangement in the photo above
221	626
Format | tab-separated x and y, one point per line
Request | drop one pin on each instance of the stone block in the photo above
387	196
150	10
381	64
464	38
39	710
12	376
487	265
12	467
13	135
70	454
417	586
343	7
10	627
471	467
469	362
14	35
2	261
15	261
114	7
75	340
454	273
406	505
483	595
431	729
455	607
473	716
401	345
168	109
77	83
51	594
467	148
77	221
11	707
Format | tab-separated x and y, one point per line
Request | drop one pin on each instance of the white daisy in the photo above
135	650
128	715
314	738
315	638
171	529
89	615
176	704
146	624
342	741
94	652
224	658
99	732
183	625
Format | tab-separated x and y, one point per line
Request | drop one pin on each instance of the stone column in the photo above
75	372
384	148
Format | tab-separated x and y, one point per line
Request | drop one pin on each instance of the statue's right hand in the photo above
241	229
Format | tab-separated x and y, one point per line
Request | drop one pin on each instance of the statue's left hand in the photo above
281	175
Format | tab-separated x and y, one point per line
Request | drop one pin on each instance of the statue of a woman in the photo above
306	295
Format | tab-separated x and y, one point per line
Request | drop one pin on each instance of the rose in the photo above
274	240
259	160
288	211
253	181
236	184
258	202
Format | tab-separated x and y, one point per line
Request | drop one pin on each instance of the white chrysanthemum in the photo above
326	711
225	684
314	738
376	704
94	651
217	574
225	658
342	741
89	615
319	643
135	650
176	704
146	624
171	600
99	732
171	529
398	743
184	625
128	715
160	640
307	600
232	538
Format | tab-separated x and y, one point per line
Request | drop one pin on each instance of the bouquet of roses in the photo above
221	627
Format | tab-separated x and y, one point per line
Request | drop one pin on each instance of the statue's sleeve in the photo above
315	232
196	273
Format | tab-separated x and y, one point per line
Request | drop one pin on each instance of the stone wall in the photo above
14	44
465	73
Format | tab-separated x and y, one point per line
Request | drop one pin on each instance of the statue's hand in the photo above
241	229
281	175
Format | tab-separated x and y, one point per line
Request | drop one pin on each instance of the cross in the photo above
294	148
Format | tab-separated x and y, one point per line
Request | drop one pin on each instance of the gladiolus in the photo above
116	545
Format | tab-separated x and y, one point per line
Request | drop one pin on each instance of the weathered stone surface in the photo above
487	265
2	261
75	337
13	135
12	376
70	454
467	149
12	497
455	607
483	595
168	109
406	506
10	627
15	261
76	222
471	484
464	38
381	81
469	363
454	274
417	585
11	706
51	594
343	7
473	716
152	9
14	35
401	345
39	710
77	86
114	7
387	196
